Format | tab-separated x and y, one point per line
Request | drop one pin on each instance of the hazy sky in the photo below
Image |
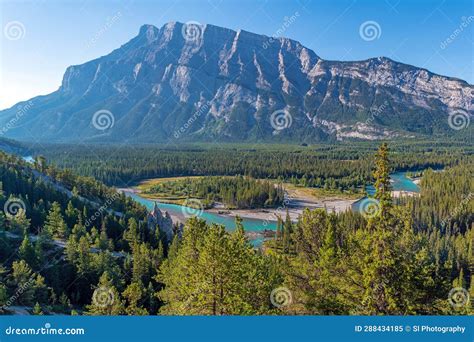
39	39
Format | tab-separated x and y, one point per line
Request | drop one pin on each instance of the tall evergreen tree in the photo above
22	277
214	273
19	223
133	295
105	299
37	310
287	231
27	252
383	187
55	224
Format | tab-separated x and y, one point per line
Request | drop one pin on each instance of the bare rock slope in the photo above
212	83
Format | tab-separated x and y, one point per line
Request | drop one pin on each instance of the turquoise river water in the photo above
399	182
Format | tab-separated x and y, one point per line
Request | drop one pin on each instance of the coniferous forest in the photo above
72	245
334	166
234	192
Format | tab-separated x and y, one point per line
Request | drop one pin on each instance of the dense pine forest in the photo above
342	167
234	192
72	245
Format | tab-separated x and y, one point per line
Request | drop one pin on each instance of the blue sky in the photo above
40	38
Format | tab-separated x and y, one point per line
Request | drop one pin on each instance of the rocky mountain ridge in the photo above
189	82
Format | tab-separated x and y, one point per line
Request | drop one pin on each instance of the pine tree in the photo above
214	273
152	302
41	290
471	296
312	275
22	277
383	256
72	214
39	250
375	262
239	227
5	246
383	187
287	231
105	299
3	297
82	258
78	231
65	302
19	223
55	224
173	248
27	252
143	263
37	310
279	230
131	235
133	295
103	242
3	225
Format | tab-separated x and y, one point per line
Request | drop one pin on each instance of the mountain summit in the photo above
191	82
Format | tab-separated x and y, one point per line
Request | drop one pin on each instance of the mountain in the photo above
188	82
14	147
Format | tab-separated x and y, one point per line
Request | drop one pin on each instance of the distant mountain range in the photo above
203	83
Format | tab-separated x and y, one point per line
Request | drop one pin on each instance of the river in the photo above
399	182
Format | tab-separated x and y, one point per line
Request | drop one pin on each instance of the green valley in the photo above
75	235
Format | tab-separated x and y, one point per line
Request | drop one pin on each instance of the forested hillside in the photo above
401	258
59	234
335	167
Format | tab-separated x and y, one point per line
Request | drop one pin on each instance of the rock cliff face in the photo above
156	220
189	82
